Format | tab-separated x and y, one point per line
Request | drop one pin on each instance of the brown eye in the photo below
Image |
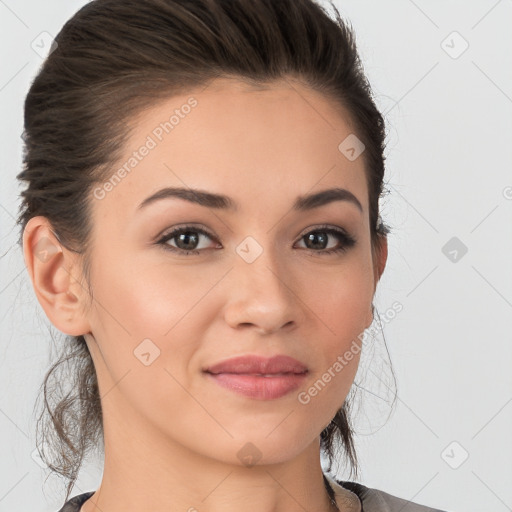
318	240
186	239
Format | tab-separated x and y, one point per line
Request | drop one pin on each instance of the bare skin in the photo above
172	435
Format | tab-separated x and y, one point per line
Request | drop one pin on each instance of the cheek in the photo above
342	304
150	300
148	324
343	317
342	301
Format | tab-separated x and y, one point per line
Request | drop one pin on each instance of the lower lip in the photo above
259	387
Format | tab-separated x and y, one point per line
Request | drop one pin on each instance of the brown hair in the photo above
112	59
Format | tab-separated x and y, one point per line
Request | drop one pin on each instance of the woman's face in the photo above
258	278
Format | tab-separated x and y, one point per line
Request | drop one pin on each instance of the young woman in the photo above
201	218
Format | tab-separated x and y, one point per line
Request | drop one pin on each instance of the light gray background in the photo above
449	175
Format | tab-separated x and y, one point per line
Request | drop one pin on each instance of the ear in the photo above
54	272
380	257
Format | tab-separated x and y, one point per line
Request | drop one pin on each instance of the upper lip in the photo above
253	364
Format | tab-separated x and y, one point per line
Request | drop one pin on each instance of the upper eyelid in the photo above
183	227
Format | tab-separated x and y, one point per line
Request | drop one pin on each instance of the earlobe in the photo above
371	317
51	268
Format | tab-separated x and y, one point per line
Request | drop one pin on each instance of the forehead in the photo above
244	140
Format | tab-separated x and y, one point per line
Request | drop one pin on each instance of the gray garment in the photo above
372	500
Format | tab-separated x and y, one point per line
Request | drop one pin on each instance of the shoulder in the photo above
375	500
74	504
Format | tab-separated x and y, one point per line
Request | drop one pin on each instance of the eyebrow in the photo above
222	202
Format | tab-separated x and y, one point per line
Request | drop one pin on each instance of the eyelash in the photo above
346	240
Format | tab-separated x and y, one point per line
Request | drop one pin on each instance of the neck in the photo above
144	476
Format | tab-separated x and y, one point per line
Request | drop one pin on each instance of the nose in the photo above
261	295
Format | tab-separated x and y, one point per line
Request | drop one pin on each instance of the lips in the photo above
259	378
257	365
